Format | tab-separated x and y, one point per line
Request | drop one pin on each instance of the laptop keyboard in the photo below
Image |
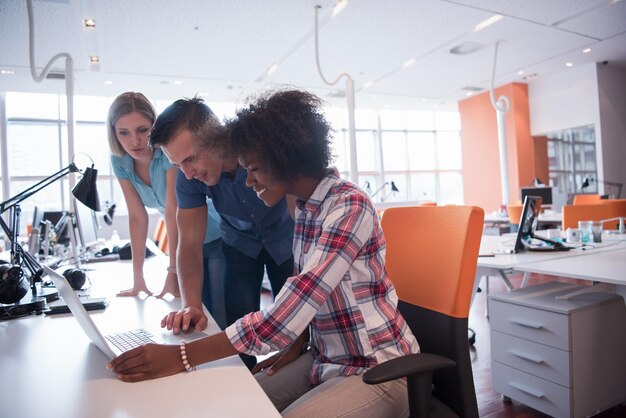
128	340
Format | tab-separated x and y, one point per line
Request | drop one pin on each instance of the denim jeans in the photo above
213	286
243	278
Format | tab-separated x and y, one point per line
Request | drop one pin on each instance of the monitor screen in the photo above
527	222
37	217
545	193
86	223
61	223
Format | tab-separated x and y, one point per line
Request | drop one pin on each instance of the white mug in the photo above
573	235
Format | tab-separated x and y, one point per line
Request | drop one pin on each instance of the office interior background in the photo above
421	70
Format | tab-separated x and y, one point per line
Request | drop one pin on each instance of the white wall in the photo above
566	100
612	142
592	94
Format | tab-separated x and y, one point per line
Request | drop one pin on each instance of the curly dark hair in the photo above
287	131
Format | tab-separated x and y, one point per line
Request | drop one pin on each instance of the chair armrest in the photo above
412	364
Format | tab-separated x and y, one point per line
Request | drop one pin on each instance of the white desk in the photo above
48	367
606	263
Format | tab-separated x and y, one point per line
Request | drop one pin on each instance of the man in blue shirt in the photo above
256	238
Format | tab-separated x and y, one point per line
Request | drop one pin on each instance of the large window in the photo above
572	159
401	155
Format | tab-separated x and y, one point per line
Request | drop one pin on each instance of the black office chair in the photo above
431	259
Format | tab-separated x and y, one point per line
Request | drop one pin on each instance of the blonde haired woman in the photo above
147	179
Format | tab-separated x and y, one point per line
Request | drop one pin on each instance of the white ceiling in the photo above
222	49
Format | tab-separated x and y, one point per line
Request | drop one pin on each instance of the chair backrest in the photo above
586	199
618	205
160	236
593	212
431	259
515	212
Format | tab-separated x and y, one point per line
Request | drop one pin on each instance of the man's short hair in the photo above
190	114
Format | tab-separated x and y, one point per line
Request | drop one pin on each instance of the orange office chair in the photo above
514	210
586	199
160	236
431	260
594	212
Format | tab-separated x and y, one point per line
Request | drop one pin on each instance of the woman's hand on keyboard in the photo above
149	361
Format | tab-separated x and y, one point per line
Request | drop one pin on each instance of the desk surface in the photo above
49	368
607	266
605	263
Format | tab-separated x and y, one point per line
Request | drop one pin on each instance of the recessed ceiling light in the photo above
465	48
569	64
408	63
368	84
469	93
520	72
272	69
339	6
7	72
586	50
108	82
94	59
487	22
89	23
178	82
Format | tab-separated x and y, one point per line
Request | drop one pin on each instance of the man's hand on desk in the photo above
149	361
185	319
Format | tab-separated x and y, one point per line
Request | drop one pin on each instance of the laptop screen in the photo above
528	221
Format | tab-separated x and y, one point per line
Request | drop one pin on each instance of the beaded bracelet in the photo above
183	357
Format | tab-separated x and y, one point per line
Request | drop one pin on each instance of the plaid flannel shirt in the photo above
343	291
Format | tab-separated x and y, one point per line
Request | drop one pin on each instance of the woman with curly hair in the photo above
341	305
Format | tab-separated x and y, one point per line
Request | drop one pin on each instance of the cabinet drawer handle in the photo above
527	390
528	324
525	356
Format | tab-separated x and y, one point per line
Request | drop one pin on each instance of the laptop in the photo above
527	227
111	345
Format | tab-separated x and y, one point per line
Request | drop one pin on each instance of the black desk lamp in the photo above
12	289
394	189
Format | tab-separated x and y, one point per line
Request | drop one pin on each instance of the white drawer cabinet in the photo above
566	358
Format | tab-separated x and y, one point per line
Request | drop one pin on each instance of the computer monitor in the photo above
545	193
86	223
37	217
61	222
527	227
527	222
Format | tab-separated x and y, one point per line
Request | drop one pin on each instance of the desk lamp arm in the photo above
15	200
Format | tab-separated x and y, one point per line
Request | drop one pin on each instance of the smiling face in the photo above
193	162
268	189
132	132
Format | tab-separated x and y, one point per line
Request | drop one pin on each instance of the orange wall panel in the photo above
479	136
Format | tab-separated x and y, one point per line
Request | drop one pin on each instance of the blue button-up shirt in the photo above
153	196
246	223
